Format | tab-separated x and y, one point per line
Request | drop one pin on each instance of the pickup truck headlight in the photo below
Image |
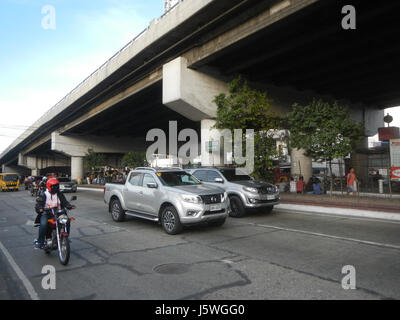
250	189
191	198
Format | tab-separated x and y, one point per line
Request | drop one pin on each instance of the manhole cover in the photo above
172	268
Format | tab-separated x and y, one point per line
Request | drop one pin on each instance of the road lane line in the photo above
391	246
28	285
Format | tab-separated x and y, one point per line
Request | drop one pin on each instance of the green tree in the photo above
324	130
134	159
247	108
93	160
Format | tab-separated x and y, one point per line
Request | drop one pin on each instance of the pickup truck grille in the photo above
266	190
211	199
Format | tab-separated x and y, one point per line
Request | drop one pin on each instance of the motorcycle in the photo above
57	237
34	189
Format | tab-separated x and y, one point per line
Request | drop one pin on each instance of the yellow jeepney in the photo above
9	182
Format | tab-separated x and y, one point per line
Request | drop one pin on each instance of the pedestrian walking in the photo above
301	185
351	181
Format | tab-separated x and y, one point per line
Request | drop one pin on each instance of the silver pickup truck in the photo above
171	197
243	191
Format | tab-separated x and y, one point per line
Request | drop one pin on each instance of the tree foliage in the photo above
247	108
324	130
93	160
134	159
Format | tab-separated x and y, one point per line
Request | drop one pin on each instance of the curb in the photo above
340	211
91	189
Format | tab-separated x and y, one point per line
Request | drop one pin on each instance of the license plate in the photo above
215	207
270	197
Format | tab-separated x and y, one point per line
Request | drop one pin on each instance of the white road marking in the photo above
391	246
28	285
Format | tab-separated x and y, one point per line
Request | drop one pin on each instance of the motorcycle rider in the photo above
49	199
42	189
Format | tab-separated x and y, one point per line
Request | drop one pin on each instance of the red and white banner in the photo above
395	173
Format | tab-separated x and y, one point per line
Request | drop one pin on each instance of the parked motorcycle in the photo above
57	237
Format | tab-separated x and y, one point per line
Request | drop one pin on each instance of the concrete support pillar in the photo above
301	165
359	160
35	172
77	170
208	134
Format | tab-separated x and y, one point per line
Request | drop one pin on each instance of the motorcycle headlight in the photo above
191	198
250	189
63	219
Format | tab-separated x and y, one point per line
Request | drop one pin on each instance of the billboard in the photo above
388	133
395	159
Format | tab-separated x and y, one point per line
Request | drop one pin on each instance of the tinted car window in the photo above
201	175
174	179
148	179
230	175
135	179
212	175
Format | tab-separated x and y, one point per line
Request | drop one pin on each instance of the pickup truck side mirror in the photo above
152	185
219	180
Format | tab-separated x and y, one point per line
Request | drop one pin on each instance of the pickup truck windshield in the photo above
230	175
175	179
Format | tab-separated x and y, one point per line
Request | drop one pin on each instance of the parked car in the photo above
243	191
68	185
171	197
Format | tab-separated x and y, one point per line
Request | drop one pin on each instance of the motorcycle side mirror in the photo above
74	198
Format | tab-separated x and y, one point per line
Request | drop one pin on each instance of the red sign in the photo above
395	173
389	133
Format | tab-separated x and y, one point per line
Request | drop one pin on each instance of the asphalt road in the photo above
283	255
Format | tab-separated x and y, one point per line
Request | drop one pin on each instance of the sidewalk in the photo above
342	205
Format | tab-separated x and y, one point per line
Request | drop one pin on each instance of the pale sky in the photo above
39	67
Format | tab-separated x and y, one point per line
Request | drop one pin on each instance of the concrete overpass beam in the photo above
189	92
79	146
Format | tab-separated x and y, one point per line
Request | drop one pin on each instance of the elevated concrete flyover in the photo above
294	49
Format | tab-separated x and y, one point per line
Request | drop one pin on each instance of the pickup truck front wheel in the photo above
117	213
170	221
237	208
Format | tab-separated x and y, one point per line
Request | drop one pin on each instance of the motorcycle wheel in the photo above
64	251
